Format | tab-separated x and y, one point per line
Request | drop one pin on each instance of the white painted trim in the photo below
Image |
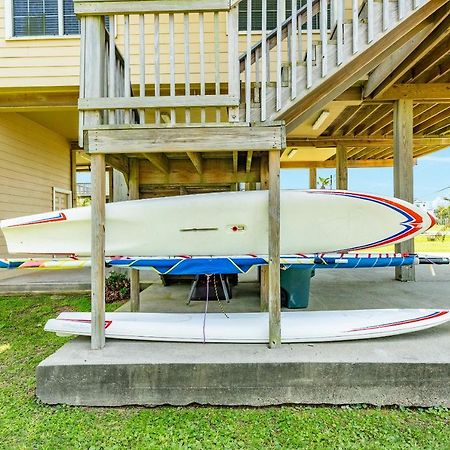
8	19
60	18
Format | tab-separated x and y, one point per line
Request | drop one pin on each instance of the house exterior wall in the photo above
33	160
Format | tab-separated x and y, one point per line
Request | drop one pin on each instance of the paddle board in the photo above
304	326
223	224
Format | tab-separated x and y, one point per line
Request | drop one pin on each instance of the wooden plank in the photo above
331	164
215	171
362	141
355	26
201	18
203	139
312	177
172	64
274	250
120	163
248	164
133	194
416	49
386	14
248	67
324	35
196	160
235	161
141	64
279	50
264	60
38	101
156	64
233	62
127	68
394	60
217	61
341	167
403	173
167	101
309	41
297	112
159	160
370	20
98	199
264	271
107	7
187	81
294	51
418	92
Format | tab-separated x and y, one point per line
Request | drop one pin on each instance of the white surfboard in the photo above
304	326
223	224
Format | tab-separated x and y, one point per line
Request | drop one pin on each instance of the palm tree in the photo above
324	182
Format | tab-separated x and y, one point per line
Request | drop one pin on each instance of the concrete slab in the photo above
405	370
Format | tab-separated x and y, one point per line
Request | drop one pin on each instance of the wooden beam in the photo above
312	177
362	141
341	168
94	37
403	173
98	194
331	164
38	101
120	163
159	160
440	92
435	37
235	161
133	194
143	139
248	164
73	177
264	270
109	7
167	101
215	172
274	250
295	113
196	160
394	60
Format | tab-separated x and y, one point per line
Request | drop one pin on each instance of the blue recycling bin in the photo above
295	283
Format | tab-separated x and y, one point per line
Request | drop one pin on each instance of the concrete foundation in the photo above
408	370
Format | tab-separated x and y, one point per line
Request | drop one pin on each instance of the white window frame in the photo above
56	190
9	24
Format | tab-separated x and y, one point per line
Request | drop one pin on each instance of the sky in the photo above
431	175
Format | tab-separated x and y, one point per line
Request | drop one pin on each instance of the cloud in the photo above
439	201
442	159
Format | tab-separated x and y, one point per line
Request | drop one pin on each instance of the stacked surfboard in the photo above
226	225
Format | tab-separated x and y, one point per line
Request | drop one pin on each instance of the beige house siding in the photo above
33	160
37	62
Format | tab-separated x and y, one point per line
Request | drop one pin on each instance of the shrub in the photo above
117	287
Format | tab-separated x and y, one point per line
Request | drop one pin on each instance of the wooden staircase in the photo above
290	75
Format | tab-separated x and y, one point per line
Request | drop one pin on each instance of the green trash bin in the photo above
295	287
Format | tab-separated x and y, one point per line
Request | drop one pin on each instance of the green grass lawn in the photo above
422	245
25	423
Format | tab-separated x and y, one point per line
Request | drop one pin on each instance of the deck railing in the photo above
314	40
170	61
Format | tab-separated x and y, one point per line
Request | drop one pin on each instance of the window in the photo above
44	18
62	199
271	14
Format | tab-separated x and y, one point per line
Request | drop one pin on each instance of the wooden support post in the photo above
133	194
403	173
313	178
73	177
264	274
94	51
274	250
341	168
98	175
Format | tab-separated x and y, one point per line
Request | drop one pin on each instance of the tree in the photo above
324	182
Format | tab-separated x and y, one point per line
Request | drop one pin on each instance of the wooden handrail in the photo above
271	37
